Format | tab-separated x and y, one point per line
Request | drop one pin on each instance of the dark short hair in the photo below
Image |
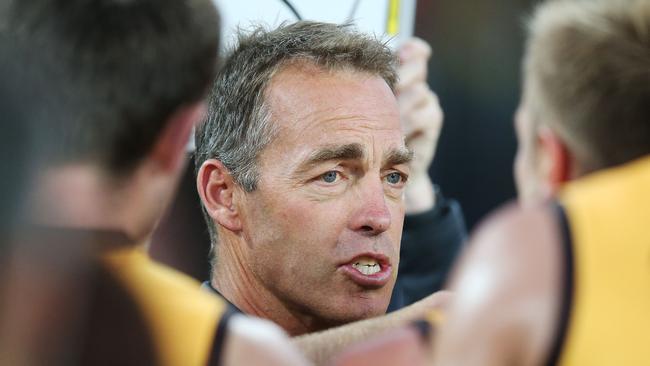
123	67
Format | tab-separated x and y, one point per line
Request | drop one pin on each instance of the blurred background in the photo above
475	70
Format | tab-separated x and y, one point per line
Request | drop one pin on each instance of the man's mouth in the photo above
368	270
367	266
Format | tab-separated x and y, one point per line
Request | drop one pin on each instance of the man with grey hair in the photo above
302	168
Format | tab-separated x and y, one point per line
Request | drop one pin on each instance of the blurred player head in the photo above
582	71
131	76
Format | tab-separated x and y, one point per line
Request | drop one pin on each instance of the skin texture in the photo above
283	246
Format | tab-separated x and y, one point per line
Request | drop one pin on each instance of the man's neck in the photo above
81	196
234	281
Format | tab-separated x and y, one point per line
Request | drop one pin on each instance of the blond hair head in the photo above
587	72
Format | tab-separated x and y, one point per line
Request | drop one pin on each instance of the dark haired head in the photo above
120	67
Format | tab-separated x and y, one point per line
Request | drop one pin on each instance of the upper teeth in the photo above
367	266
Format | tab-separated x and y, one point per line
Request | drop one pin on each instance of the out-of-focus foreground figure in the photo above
567	282
126	81
43	290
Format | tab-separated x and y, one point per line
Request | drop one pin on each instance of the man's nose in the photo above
372	216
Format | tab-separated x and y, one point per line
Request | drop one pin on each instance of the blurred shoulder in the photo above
255	341
507	289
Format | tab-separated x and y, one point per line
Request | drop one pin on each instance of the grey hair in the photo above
239	124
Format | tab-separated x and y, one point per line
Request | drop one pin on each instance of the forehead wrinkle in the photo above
351	151
350	121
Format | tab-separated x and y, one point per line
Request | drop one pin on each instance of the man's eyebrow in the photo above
334	152
397	157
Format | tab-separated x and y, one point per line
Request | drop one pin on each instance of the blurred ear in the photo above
216	188
554	160
169	149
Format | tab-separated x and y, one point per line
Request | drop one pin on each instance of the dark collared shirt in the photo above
232	309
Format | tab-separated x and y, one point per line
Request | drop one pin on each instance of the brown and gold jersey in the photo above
608	242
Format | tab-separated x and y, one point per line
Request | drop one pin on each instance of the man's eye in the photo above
330	177
394	178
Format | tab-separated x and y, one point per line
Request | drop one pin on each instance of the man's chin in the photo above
335	308
361	308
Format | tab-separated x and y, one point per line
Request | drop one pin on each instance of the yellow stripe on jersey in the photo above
183	319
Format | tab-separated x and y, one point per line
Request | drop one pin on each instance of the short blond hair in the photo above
587	68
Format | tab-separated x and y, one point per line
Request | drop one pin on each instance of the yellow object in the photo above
183	319
392	21
435	317
609	219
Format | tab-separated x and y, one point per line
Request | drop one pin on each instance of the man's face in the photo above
323	227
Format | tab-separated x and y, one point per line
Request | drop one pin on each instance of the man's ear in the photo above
554	159
216	188
169	149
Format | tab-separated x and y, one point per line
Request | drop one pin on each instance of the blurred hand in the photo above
421	118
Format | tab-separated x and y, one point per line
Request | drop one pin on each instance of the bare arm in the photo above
507	294
321	347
